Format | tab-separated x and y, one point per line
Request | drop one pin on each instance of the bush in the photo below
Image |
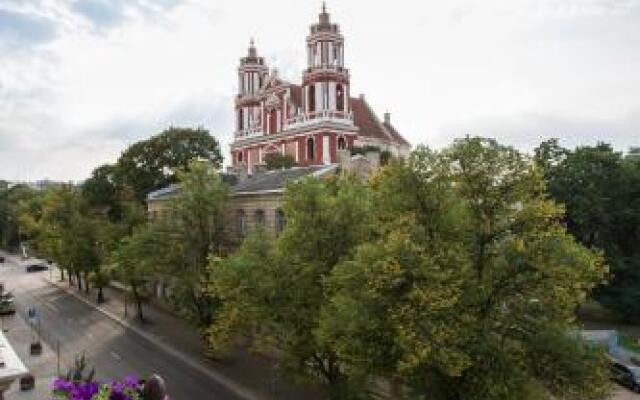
279	161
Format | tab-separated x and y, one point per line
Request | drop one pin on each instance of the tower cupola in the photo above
251	72
326	80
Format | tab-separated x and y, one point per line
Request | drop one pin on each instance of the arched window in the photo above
241	223
259	218
311	149
312	98
273	121
340	98
240	119
240	156
281	221
342	144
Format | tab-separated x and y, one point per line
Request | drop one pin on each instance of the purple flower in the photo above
62	385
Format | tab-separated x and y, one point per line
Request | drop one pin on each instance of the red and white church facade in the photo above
312	121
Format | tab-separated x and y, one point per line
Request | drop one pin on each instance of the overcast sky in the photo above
80	80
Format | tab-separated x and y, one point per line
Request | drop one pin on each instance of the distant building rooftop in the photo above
273	181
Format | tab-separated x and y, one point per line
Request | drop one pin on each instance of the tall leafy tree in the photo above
15	201
599	188
276	291
196	223
137	258
470	287
153	163
67	233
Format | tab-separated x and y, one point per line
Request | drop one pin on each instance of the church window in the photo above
281	221
325	95
273	121
312	98
241	223
240	119
239	156
259	218
342	144
340	98
310	149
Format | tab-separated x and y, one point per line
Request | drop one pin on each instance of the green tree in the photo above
599	188
470	286
14	202
137	258
67	233
277	291
196	220
153	163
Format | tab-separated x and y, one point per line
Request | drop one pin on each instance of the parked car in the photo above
625	375
1	259
7	307
36	267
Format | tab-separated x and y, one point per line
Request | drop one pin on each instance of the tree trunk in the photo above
79	279
138	300
62	274
395	388
100	295
86	283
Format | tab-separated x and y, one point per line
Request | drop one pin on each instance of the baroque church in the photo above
310	121
317	124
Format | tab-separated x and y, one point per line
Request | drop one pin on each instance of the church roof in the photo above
262	182
276	180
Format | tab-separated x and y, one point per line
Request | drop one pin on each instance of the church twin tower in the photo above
308	122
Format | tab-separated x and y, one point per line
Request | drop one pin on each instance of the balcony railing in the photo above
324	115
250	132
339	117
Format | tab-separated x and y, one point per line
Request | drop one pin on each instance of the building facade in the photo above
309	121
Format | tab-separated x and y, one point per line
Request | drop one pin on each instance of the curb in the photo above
230	385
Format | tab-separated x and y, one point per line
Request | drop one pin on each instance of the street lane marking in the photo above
115	355
51	307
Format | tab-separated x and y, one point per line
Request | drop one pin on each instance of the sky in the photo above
80	80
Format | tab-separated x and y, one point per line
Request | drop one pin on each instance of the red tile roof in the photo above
369	124
397	136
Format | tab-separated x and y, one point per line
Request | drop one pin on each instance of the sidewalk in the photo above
249	375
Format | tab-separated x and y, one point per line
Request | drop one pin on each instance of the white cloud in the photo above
518	70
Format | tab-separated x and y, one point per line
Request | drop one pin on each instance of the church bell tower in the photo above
326	80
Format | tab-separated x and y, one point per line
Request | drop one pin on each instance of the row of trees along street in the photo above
453	274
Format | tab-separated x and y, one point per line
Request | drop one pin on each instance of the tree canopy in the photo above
450	275
153	163
600	188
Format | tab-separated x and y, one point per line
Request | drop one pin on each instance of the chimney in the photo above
361	96
387	118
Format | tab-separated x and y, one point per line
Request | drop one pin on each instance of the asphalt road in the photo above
113	351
